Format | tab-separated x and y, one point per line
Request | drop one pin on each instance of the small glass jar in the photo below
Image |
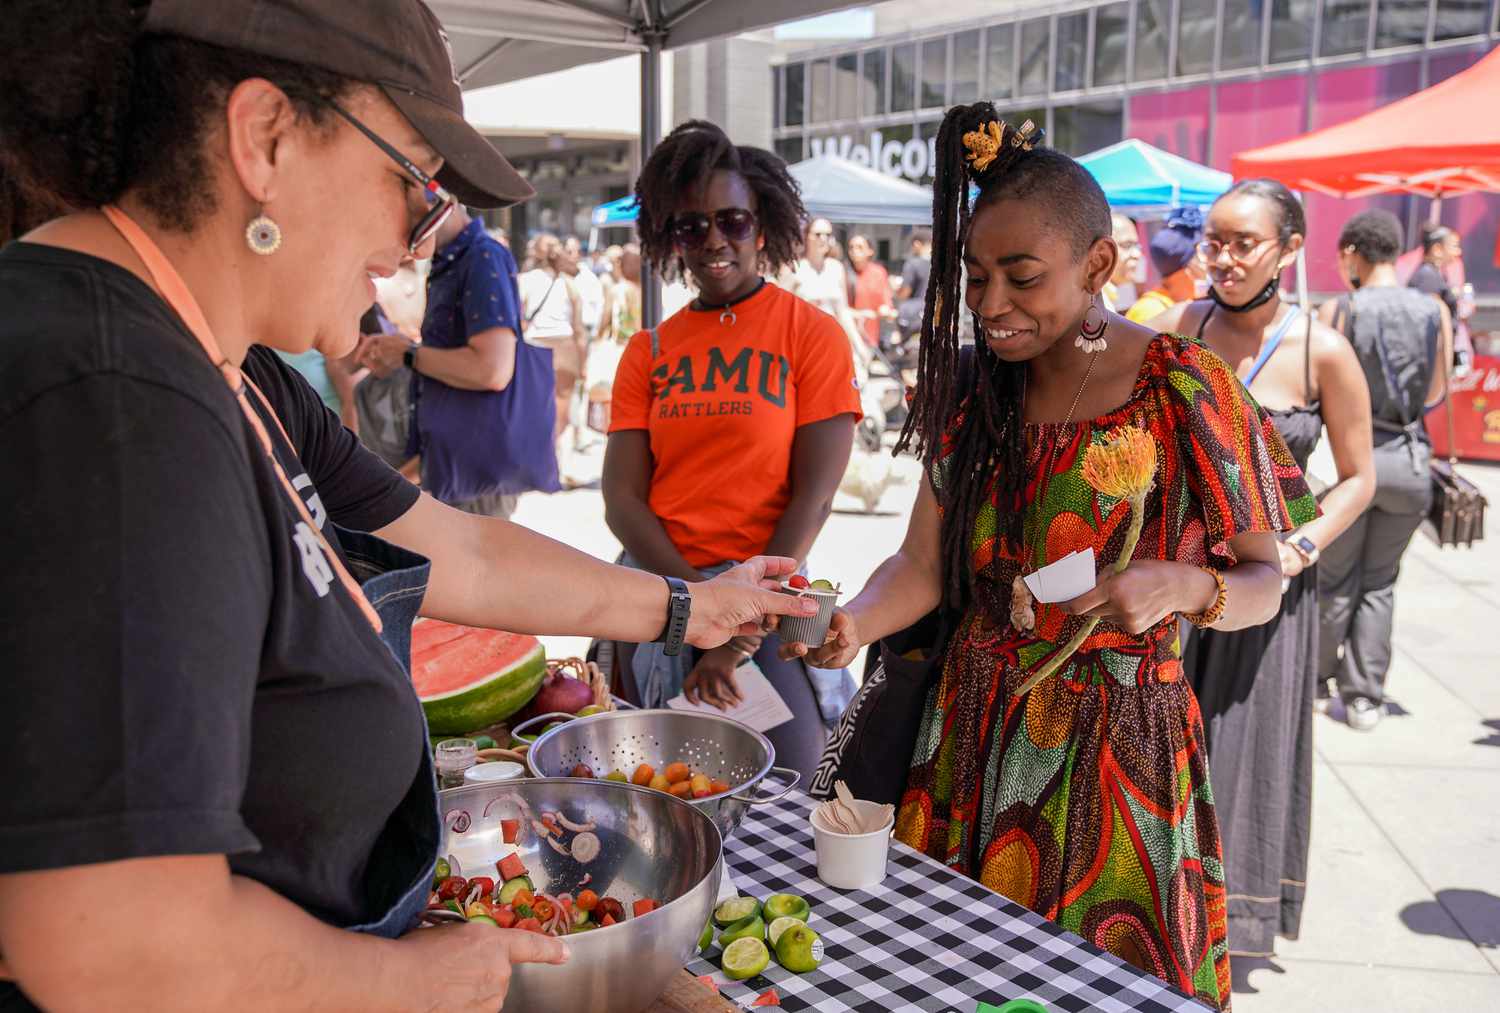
453	757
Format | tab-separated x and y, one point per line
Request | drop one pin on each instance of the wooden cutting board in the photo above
687	994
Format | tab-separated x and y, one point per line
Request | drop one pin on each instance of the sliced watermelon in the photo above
470	678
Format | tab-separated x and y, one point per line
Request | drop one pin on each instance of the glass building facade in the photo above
1204	79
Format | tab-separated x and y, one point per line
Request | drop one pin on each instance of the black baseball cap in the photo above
397	45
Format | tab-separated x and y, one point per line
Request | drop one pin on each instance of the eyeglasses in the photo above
440	203
1129	246
822	235
735	225
1239	249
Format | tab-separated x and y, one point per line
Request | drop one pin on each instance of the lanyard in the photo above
175	291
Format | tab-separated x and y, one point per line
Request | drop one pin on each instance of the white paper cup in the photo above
498	770
809	630
852	861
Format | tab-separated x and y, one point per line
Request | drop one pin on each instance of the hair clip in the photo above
984	144
1027	137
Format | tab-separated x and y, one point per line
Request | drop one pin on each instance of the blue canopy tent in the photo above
1146	182
833	188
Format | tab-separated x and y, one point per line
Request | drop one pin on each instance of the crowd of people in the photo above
287	490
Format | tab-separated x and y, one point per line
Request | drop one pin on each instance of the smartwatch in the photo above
679	607
409	358
1307	549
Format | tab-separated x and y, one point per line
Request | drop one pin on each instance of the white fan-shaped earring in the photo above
263	235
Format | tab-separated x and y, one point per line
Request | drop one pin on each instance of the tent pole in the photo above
1435	212
650	136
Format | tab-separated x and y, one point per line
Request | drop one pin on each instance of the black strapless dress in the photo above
1255	688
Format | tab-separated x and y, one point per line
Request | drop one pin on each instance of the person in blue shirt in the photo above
482	399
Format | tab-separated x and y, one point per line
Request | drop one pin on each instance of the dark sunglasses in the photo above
440	203
735	225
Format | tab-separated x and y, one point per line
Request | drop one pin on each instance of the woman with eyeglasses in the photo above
218	787
731	422
1256	686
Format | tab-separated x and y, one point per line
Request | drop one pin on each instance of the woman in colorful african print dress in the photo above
1086	799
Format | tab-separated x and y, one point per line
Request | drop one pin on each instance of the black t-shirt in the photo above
914	275
1427	278
180	676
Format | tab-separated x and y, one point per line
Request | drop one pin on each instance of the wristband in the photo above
679	607
409	358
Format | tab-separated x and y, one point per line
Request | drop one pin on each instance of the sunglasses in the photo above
440	203
1240	249
734	224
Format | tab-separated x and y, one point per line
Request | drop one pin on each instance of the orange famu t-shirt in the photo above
721	404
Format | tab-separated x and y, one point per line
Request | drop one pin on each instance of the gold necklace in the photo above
1078	396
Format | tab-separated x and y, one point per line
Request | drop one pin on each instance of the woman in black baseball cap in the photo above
214	761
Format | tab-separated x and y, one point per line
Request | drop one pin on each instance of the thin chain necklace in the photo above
1078	396
1052	455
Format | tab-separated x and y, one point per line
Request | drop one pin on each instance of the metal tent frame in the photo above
495	41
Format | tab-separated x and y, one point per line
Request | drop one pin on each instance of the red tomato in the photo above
798	582
644	906
504	917
543	909
508	830
607	921
511	866
452	887
529	925
587	900
486	885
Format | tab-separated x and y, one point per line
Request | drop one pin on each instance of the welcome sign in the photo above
911	159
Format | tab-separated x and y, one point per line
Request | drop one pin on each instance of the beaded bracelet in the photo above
1203	620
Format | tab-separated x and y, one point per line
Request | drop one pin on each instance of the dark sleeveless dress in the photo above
1255	688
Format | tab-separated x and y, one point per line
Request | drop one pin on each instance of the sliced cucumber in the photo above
511	887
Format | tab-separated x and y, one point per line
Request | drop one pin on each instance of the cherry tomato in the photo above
529	925
504	917
452	887
677	772
587	900
486	885
542	909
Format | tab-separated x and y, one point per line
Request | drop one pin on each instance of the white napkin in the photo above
1065	579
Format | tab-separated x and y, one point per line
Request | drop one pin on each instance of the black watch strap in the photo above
679	607
409	357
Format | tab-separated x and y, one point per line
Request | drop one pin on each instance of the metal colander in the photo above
720	747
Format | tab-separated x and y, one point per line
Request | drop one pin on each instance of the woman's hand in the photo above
838	650
468	967
739	602
712	679
1292	561
1145	593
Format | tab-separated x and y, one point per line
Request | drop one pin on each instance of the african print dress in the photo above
1088	800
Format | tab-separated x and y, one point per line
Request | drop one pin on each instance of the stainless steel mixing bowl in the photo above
652	845
623	740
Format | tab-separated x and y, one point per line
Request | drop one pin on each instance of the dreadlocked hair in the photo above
682	164
974	418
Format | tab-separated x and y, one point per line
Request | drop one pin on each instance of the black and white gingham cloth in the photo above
925	939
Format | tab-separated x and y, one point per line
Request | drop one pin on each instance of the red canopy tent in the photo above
1438	142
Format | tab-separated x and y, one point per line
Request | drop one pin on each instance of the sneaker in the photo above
1363	714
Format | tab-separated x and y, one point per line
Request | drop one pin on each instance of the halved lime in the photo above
707	939
735	909
780	925
786	905
745	958
745	928
820	585
799	949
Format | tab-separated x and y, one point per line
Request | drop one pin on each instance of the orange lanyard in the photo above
177	295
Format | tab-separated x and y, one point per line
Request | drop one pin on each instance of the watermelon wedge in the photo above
468	678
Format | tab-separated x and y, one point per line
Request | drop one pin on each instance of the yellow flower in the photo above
984	144
1123	464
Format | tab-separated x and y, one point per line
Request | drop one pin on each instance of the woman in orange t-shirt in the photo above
872	289
732	422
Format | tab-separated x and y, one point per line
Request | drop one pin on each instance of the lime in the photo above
735	909
780	925
799	949
590	711
745	958
615	775
786	905
820	585
745	928
707	939
485	742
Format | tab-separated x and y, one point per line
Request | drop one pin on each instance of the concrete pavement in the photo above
1403	908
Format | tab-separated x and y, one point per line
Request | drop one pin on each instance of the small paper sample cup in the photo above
811	630
852	861
498	770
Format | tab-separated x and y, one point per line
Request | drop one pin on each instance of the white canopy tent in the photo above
496	41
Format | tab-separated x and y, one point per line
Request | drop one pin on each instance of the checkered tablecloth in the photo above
925	939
